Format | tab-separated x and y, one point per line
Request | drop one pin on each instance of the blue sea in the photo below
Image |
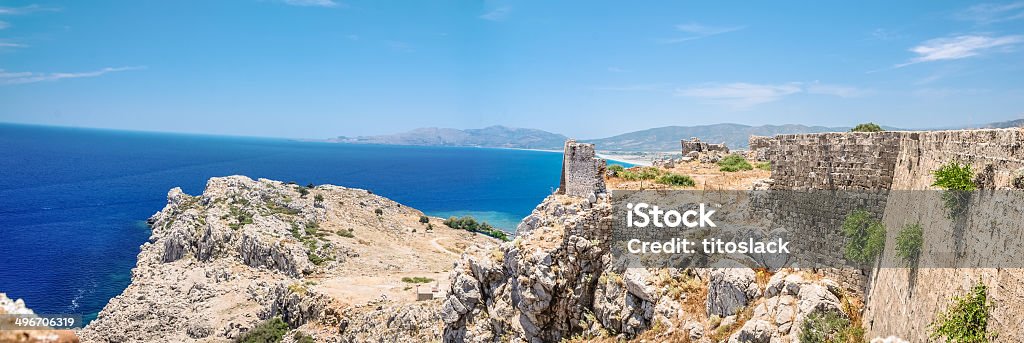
73	202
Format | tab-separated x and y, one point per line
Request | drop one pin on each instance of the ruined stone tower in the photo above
582	171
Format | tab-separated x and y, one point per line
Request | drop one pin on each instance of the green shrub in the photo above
470	224
417	279
966	318
424	219
303	338
673	179
318	198
271	330
310	185
954	176
615	169
643	173
346	233
957	182
303	192
829	327
378	211
764	166
867	127
909	242
865	237
316	259
734	163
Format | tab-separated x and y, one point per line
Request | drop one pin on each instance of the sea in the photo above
74	201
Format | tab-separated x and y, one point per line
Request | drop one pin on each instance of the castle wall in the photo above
901	301
904	302
582	171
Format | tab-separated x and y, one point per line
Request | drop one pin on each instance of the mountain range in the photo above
650	140
493	137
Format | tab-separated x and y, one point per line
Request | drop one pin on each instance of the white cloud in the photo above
959	47
10	45
13	78
26	9
4	25
740	94
650	87
745	95
696	31
836	90
992	13
313	3
496	14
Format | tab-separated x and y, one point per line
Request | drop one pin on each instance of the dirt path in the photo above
440	248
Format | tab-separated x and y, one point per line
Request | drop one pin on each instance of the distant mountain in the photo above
1005	124
493	136
667	138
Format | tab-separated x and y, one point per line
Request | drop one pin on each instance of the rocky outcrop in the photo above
245	251
538	287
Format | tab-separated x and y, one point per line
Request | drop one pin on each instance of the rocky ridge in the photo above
220	263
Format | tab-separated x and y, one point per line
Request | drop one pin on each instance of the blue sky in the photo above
323	68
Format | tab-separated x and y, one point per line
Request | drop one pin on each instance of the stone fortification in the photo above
582	171
695	145
878	167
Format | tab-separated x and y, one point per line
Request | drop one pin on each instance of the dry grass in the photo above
690	292
722	332
762	275
705	175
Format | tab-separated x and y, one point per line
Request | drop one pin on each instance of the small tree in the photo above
909	242
424	219
966	318
615	169
865	237
867	127
957	182
673	179
734	163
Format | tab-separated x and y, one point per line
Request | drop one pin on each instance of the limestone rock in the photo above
731	287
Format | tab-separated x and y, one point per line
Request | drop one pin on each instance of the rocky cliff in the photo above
558	281
328	261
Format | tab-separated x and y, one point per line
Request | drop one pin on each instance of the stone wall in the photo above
840	161
695	145
859	166
582	171
901	301
758	146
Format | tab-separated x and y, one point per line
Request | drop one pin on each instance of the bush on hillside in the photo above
469	223
829	327
867	127
673	179
734	163
642	173
615	169
270	330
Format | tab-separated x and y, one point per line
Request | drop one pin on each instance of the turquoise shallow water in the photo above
73	202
